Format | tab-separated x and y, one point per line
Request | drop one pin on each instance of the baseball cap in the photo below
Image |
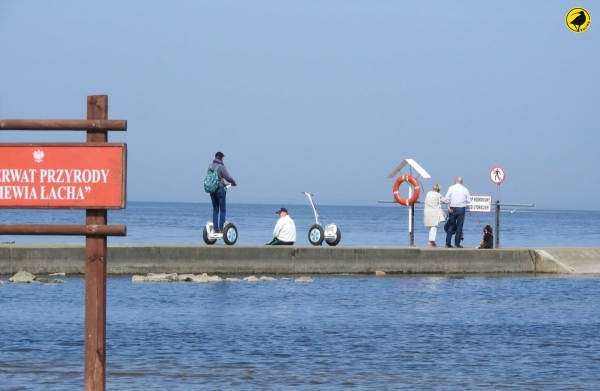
281	210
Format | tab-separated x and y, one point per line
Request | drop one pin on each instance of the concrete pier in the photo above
141	259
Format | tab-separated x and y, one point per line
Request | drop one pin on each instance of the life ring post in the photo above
412	198
396	190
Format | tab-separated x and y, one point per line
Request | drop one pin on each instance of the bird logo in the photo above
578	20
38	156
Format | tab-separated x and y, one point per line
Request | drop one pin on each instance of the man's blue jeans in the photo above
219	204
455	223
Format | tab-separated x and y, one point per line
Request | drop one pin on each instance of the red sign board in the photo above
65	175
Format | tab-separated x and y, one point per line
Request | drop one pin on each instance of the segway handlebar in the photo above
309	195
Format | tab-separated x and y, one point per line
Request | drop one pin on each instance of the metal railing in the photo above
498	205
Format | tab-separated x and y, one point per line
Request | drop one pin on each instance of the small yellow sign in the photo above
578	20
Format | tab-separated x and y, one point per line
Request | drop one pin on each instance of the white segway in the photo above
316	234
229	234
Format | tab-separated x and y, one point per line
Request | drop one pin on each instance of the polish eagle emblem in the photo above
38	156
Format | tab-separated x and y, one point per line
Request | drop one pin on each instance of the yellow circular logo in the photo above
578	20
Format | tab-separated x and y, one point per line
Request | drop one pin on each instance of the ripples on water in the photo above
339	332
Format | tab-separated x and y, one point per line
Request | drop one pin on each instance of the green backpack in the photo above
211	182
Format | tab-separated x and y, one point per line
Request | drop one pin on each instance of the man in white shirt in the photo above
285	230
457	199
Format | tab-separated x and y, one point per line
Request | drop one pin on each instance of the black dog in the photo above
488	238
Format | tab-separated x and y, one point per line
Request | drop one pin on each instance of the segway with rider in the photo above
216	183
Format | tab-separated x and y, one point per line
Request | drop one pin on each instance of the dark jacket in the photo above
222	172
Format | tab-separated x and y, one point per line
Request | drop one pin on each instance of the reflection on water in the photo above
358	332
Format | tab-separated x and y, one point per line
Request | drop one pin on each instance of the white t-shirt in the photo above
285	229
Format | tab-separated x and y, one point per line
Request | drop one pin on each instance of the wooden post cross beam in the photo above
63	229
62	124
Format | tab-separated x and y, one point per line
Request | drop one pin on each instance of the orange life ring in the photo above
414	182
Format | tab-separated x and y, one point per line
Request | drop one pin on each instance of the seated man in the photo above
285	230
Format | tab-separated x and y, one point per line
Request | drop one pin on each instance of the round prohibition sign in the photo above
497	175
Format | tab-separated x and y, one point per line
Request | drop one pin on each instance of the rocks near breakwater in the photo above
23	277
204	278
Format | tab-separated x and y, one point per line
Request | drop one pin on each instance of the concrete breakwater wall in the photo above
141	259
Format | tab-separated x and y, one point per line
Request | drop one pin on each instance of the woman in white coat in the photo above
433	213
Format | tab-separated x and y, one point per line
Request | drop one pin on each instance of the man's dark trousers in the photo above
455	223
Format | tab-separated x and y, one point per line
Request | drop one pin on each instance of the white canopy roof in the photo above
412	165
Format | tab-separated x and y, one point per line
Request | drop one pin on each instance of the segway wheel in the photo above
206	239
230	234
338	237
315	235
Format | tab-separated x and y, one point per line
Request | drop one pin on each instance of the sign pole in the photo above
498	218
411	210
95	271
497	175
412	225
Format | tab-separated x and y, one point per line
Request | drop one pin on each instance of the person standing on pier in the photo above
433	214
457	199
218	198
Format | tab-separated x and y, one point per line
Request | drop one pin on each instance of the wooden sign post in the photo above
95	272
89	176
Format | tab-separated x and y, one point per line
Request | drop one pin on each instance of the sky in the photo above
320	96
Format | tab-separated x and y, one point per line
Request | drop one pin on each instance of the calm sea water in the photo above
378	225
338	332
